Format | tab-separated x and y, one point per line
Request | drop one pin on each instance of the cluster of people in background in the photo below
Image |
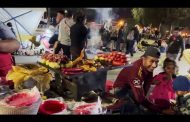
122	38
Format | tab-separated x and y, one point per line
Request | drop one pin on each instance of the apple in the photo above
123	61
109	60
115	63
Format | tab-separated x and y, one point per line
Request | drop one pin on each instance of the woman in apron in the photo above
8	44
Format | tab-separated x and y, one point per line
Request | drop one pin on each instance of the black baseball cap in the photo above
152	51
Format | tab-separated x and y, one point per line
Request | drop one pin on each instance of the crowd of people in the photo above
121	38
138	91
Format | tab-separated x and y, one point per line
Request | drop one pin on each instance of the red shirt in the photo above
137	78
163	91
5	64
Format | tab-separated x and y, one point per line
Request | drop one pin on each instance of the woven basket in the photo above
29	110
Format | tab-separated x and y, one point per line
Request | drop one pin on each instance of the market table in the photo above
80	84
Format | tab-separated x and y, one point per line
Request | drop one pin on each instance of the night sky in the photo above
119	12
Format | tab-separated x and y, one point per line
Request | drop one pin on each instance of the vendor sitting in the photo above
133	83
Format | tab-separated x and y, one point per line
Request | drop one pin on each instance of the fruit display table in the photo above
80	84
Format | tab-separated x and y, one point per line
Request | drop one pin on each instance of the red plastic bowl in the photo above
49	107
109	85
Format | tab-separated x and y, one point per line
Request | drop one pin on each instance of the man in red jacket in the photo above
134	82
8	44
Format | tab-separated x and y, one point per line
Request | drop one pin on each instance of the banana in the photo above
93	69
21	73
69	65
85	67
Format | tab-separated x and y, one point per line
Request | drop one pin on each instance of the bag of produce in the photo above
30	69
88	108
32	74
23	102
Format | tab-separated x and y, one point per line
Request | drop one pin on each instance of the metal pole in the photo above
160	26
48	16
171	30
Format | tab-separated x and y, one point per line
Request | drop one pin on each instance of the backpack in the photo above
130	36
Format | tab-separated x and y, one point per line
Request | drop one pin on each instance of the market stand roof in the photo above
24	20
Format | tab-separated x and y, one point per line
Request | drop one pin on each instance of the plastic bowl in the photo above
50	107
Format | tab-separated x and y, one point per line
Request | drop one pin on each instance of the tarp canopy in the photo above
24	20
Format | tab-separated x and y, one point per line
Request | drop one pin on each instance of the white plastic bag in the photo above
24	102
89	108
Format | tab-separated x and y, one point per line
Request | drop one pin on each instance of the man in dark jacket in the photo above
120	38
174	45
78	35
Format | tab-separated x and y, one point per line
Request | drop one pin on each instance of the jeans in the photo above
171	56
53	39
65	48
129	46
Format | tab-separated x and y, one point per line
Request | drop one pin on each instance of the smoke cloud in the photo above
104	16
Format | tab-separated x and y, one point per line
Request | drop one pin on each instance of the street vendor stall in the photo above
80	83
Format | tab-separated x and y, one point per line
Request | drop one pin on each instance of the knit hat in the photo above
152	51
181	83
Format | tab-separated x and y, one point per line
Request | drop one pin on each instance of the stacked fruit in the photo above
89	65
85	65
113	58
54	60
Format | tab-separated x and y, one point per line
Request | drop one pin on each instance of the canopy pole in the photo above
17	21
17	16
18	33
48	16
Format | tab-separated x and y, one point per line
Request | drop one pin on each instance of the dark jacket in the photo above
136	34
78	35
174	44
121	35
